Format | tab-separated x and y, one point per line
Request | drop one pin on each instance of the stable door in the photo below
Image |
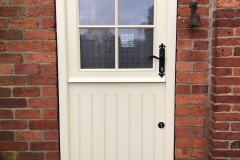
120	80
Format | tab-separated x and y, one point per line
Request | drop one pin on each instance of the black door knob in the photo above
161	125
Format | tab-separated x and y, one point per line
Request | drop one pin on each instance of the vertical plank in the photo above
98	118
85	102
123	127
110	127
148	126
136	127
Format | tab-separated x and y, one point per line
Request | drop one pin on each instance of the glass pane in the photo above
96	12
135	47
97	48
136	12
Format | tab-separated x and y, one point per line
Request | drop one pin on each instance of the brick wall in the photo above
224	135
28	92
192	70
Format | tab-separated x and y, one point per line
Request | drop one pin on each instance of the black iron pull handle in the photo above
161	59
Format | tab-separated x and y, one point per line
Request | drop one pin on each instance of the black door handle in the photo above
162	60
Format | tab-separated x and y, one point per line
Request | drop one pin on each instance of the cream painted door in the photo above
114	97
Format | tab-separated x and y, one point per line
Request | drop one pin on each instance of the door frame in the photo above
62	51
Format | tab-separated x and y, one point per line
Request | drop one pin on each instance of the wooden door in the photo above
115	96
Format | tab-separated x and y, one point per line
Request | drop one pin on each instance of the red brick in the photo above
227	135
183	67
182	89
199	153
48	23
237	13
182	132
41	80
41	57
190	143
27	69
26	92
5	69
223	32
219	144
2	23
236	71
13	146
40	146
192	78
12	81
235	127
11	34
184	44
200	89
191	99
237	32
219	126
184	1
192	56
222	52
5	92
13	103
40	35
23	23
226	116
28	136
199	111
50	114
13	125
30	156
198	132
52	156
222	71
200	67
190	121
192	34
43	124
6	136
51	135
227	99
202	1
46	1
43	102
39	11
225	13
236	90
227	81
49	91
222	90
203	11
2	46
236	108
235	145
11	58
227	23
23	46
182	153
226	62
237	51
49	69
182	111
23	1
6	11
6	114
227	41
27	114
48	46
184	11
200	45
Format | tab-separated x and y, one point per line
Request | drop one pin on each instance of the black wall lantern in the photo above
195	19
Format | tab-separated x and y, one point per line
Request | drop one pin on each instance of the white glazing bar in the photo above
113	26
116	34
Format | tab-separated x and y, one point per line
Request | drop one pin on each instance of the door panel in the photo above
117	123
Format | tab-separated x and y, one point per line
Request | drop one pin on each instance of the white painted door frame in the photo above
63	78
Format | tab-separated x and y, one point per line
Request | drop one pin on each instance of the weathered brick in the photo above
201	45
26	92
183	67
6	136
5	69
13	103
13	125
182	132
41	146
183	89
182	153
48	23
6	114
11	58
198	132
51	135
199	111
41	57
28	136
50	114
41	80
200	153
190	121
2	23
6	11
183	111
27	114
200	89
52	156
48	46
192	78
2	46
225	13
23	23
49	69
190	143
192	34
192	56
13	146
23	46
39	11
40	35
46	1
184	44
11	35
200	67
12	81
23	1
43	124
49	91
43	102
27	69
30	156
